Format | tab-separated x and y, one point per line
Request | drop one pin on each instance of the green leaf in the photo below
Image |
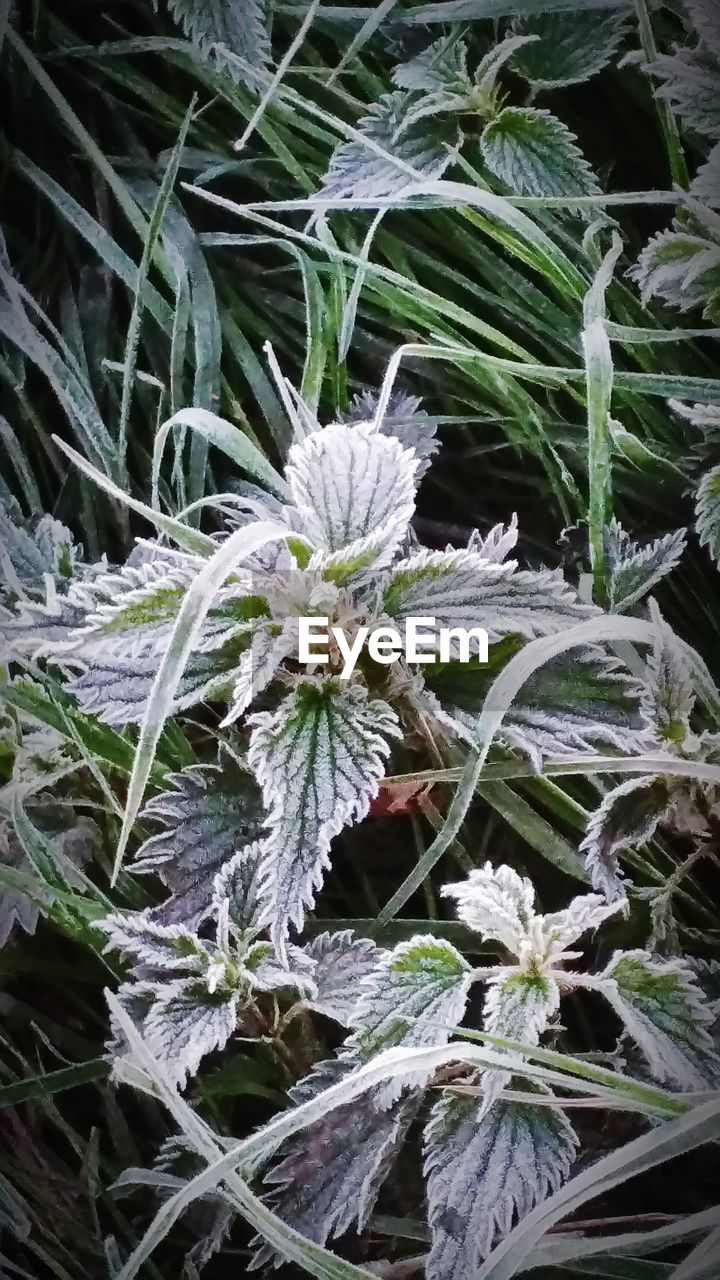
355	492
628	815
534	154
319	759
210	812
415	996
155	946
669	696
485	1171
664	1011
461	589
572	47
633	569
244	30
390	152
707	512
568	705
443	65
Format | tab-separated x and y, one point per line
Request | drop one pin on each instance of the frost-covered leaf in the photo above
132	612
680	267
185	1022
461	589
573	703
664	1011
587	911
669	690
238	884
496	902
497	544
73	841
704	18
116	687
571	47
634	569
706	183
342	961
534	154
265	971
628	815
443	65
424	146
519	1005
30	549
270	645
707	513
210	813
241	28
484	1173
319	759
154	946
415	996
355	491
404	419
329	1176
690	81
491	64
15	907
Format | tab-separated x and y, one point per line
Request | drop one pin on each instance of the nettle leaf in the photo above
680	267
185	1022
519	1006
237	884
415	996
665	1012
485	1172
211	811
443	65
243	29
424	145
329	1175
704	18
573	703
15	907
628	815
319	759
571	48
73	841
669	689
534	154
496	902
355	491
270	644
690	83
706	183
633	570
707	513
31	549
342	961
497	544
154	946
462	589
404	419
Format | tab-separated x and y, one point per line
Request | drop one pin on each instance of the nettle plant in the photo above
494	1144
341	547
243	845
